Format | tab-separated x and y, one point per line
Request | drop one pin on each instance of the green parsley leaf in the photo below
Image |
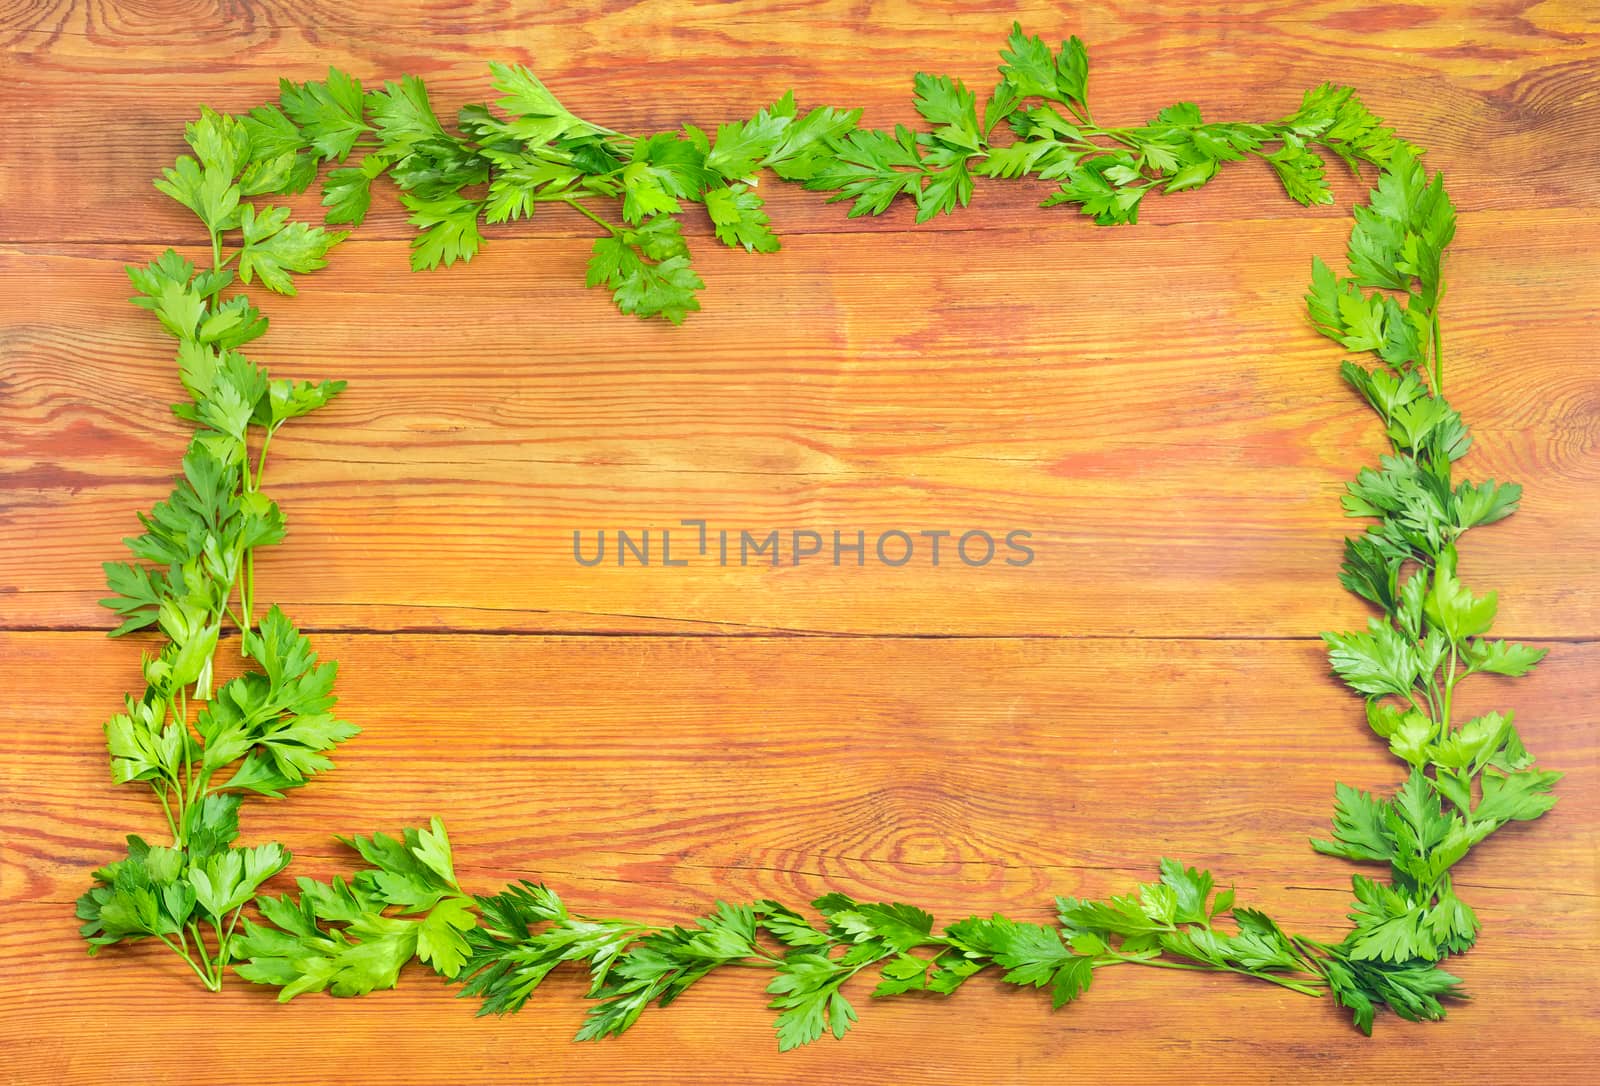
807	993
403	115
1379	661
1094	187
347	192
336	937
871	167
536	116
1301	171
449	230
331	115
209	192
229	879
738	219
740	145
647	270
1503	658
948	105
1519	797
274	247
1452	608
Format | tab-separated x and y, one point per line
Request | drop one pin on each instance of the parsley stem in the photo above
216	264
1157	963
182	709
247	559
224	955
201	973
1411	696
1449	690
574	203
247	596
166	809
183	952
214	980
1290	983
1430	692
1312	944
222	944
261	461
1161	963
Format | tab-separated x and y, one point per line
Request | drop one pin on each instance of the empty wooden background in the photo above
1148	402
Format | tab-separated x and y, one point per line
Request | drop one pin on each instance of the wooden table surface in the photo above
1148	402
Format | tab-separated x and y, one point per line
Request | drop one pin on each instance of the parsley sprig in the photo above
342	937
1467	779
1042	98
527	931
503	161
202	746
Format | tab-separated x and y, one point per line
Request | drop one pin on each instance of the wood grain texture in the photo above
649	776
1146	401
534	414
1508	80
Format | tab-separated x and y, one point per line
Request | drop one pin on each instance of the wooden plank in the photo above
1187	452
649	776
1004	756
141	1020
1479	89
1147	398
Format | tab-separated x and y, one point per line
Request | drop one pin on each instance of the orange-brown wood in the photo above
650	775
1192	443
1148	402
